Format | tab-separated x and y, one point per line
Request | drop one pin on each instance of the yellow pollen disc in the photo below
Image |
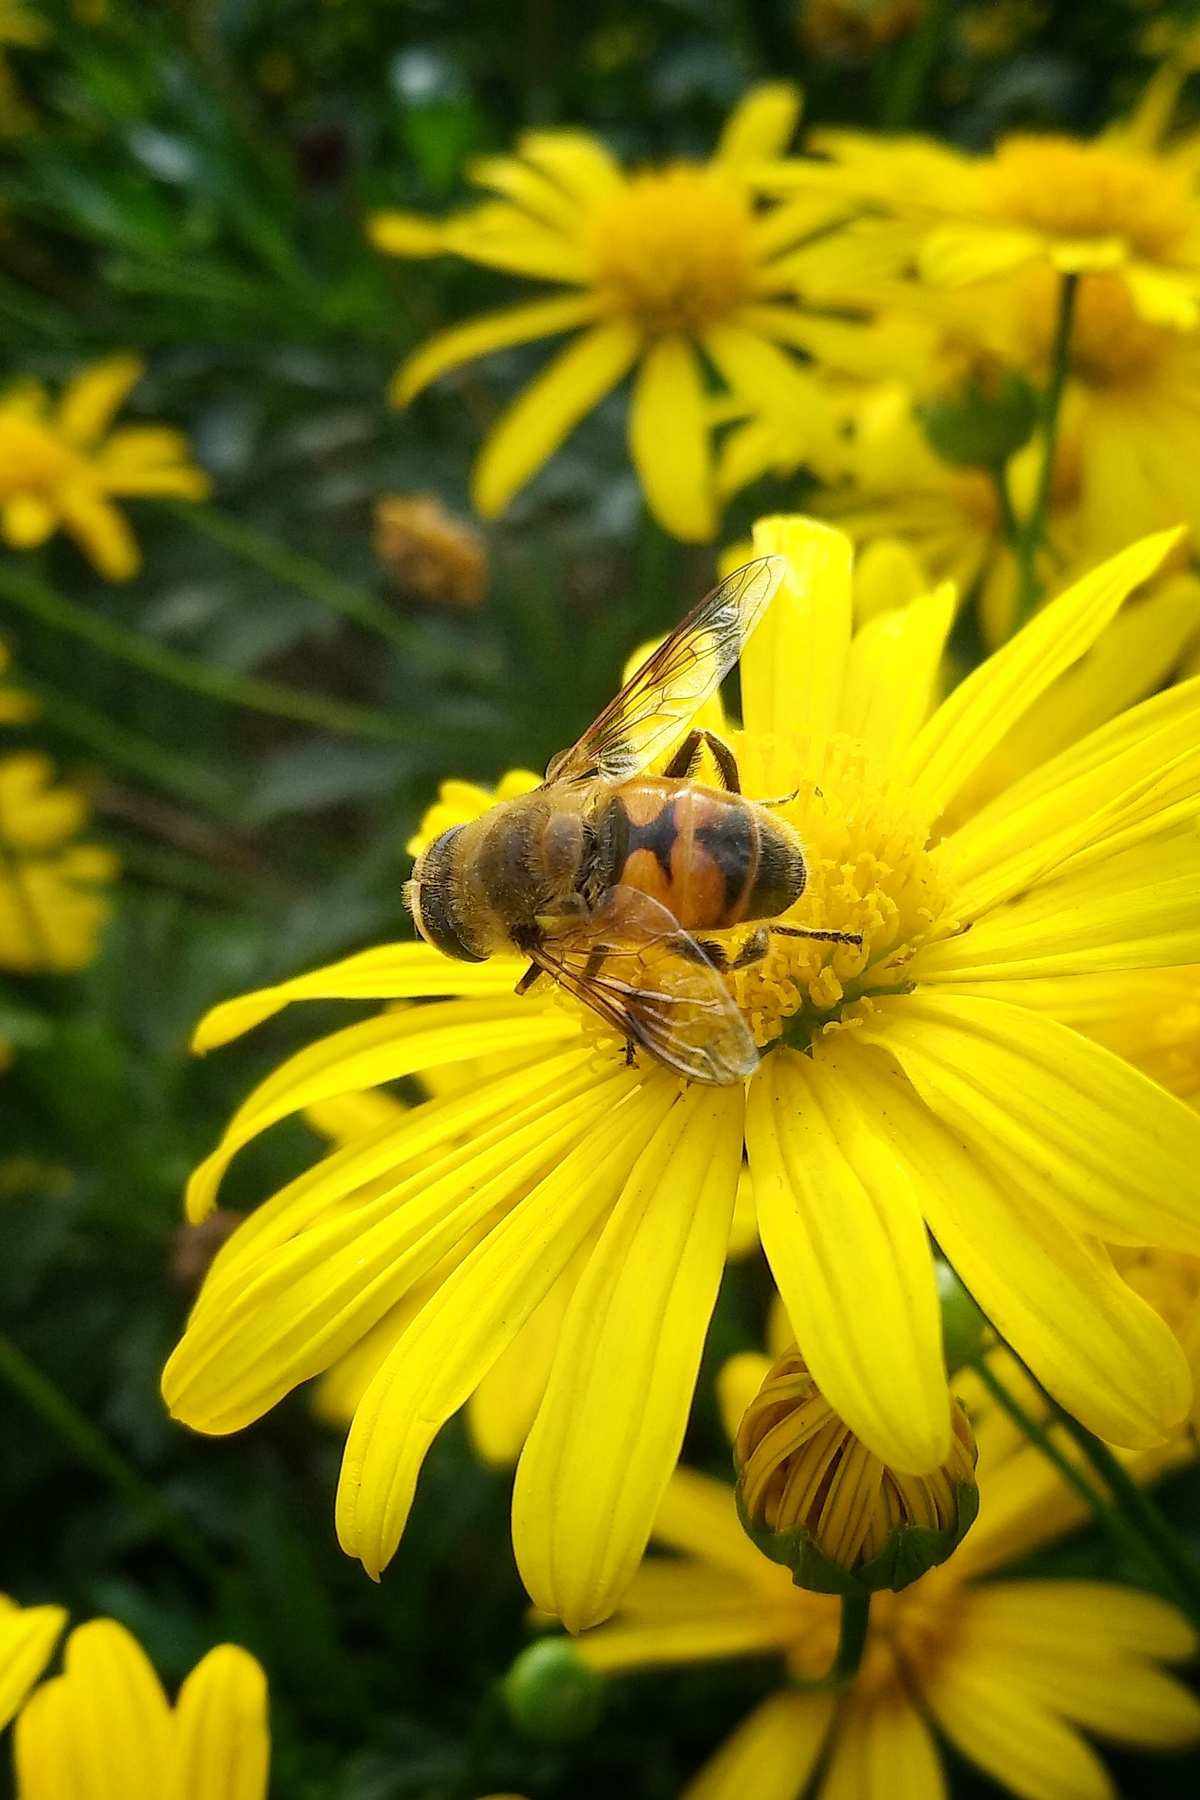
1073	190
1110	341
869	874
672	248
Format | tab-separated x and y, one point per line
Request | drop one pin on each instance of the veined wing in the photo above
661	697
634	964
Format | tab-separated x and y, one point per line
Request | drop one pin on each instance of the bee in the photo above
609	877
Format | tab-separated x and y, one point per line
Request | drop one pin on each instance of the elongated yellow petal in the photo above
1120	1150
465	1326
892	672
503	1407
839	1216
28	1635
973	719
1053	1295
113	1707
92	397
669	439
388	972
44	1754
535	192
1133	911
758	372
405	234
480	336
883	1751
680	1611
771	1755
379	1050
609	1430
793	668
1011	1735
505	237
761	126
550	407
577	161
697	1516
101	532
954	255
222	1740
27	520
1091	1620
286	1316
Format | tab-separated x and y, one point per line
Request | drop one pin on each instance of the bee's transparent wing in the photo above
661	697
634	964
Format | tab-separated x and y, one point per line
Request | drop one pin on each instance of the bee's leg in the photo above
824	937
779	800
687	758
631	1061
752	951
532	974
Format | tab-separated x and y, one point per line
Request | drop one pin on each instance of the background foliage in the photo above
190	180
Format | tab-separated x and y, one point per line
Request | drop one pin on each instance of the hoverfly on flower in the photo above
602	875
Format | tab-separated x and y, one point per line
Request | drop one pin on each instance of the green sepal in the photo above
909	1553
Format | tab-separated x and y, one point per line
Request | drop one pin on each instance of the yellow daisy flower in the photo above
904	1088
61	467
661	270
105	1726
53	903
28	1635
1011	1672
1115	203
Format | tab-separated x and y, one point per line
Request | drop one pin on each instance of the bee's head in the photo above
431	898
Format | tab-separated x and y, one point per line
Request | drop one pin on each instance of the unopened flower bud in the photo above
552	1695
984	423
813	1497
430	552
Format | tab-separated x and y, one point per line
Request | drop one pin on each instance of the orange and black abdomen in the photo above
713	859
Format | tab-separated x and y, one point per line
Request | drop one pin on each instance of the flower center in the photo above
869	874
32	457
1110	342
673	248
1074	190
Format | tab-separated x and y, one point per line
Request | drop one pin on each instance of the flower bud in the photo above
551	1694
813	1497
984	423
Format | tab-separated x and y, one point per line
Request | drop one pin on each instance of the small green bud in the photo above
963	1325
551	1694
984	423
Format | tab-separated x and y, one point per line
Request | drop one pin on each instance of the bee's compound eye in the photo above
431	896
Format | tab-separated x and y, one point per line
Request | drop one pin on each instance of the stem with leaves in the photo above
1028	534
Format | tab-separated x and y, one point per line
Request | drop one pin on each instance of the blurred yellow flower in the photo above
105	1726
906	1088
52	888
1010	1671
429	552
61	467
664	269
28	1635
1116	203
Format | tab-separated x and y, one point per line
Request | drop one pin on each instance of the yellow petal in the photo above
100	531
505	237
771	1755
222	1741
1087	1619
111	1706
28	1635
697	1516
840	1215
883	1750
405	234
793	668
973	719
1161	298
893	669
261	1328
577	161
1053	1295
27	520
1120	1150
519	180
549	409
44	1757
388	972
956	255
504	1405
488	332
609	1430
466	1325
366	1055
92	397
1011	1735
767	378
762	124
669	439
677	1611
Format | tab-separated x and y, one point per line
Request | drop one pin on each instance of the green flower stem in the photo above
1136	1505
96	1453
852	1642
1032	530
208	679
292	569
